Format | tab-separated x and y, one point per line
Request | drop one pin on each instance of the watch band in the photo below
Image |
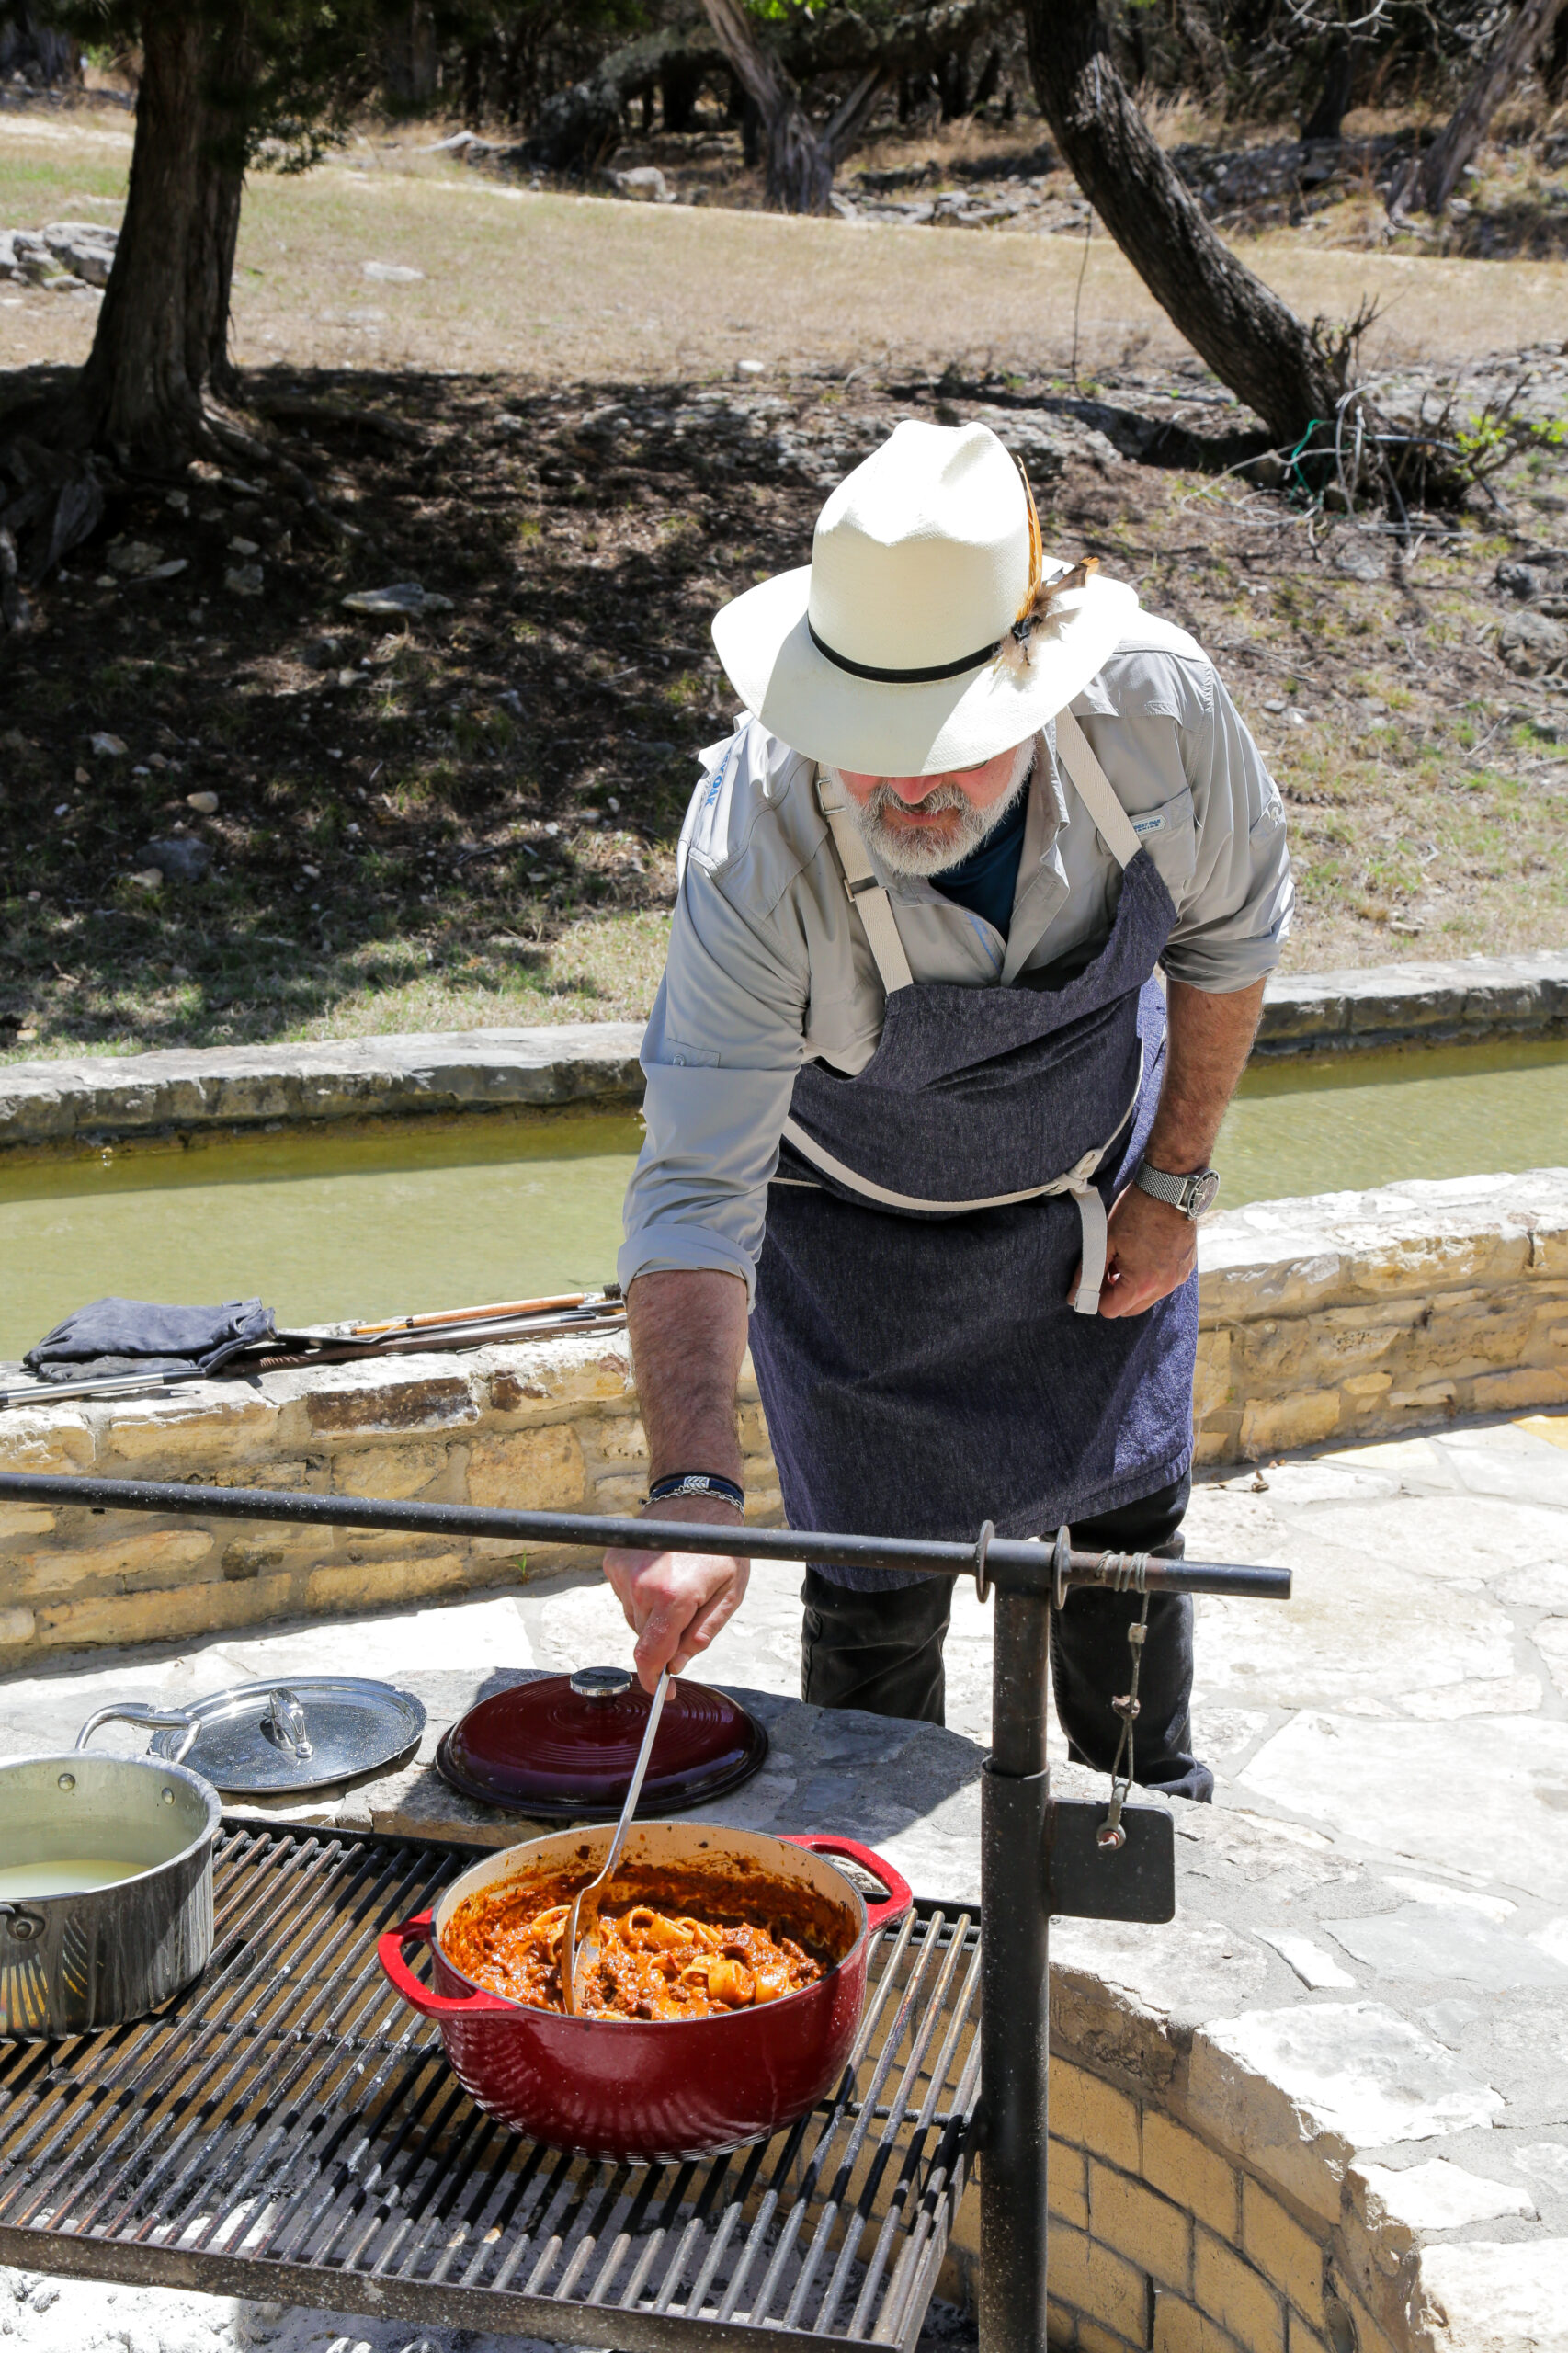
1191	1195
696	1482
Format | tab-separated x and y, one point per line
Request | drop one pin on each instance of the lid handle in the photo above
284	1723
601	1682
136	1712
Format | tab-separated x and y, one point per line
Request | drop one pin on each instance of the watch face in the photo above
1204	1188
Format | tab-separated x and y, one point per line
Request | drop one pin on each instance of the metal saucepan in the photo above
645	2089
105	1883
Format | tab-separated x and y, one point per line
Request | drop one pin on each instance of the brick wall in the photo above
1163	2239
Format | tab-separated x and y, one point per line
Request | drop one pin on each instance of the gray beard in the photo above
916	853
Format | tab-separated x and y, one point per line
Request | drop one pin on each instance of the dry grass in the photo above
551	288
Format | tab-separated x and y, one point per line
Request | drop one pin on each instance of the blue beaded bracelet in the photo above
696	1482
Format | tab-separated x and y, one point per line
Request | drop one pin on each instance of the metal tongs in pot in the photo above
584	1957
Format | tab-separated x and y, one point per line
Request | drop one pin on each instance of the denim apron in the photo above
922	1365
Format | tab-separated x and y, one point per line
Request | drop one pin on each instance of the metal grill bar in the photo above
288	2130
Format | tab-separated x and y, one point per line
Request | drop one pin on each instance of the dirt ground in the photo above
584	426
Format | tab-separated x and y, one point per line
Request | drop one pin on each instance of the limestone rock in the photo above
1437	2195
1300	2089
1490	2298
179	857
404	597
1532	644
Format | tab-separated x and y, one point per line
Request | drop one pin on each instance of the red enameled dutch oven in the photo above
654	2088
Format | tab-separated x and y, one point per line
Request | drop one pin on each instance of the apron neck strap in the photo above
1094	790
865	894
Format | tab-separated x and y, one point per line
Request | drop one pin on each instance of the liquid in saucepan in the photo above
71	1875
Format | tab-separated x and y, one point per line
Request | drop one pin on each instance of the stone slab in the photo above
1462	997
1438	2196
1400	1786
1494	2298
54	1103
1424	1943
238	1087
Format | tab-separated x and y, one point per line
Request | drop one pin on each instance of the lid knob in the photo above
601	1682
284	1723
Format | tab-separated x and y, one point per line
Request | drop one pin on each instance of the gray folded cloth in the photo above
129	1336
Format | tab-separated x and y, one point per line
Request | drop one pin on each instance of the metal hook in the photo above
983	1546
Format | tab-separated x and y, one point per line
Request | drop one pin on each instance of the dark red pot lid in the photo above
563	1748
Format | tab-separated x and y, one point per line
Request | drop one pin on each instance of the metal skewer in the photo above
585	1957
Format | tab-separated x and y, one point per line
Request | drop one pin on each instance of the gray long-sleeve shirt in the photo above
770	966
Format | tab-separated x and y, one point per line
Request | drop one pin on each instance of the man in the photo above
909	1050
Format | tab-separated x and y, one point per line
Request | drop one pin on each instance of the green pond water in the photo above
323	1226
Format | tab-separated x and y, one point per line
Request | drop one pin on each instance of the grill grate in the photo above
290	2129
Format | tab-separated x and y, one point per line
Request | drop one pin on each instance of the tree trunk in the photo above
1206	50
1327	120
800	163
580	128
952	81
1526	32
1554	61
161	335
1252	342
680	86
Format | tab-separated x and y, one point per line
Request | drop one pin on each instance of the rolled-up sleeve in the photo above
1232	918
721	1050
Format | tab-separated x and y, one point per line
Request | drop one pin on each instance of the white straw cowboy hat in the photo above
928	631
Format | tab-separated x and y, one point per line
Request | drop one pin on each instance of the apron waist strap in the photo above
1078	1181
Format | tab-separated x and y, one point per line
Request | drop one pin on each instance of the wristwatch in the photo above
1190	1194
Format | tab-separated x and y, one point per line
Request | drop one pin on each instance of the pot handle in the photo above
420	1930
133	1711
900	1894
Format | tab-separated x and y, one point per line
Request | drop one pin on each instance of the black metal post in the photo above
1015	1986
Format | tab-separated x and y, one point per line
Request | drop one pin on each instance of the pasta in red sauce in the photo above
670	1948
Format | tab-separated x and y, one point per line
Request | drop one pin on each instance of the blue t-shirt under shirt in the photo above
987	879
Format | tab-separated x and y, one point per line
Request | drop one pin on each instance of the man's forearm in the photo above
688	1336
1208	1042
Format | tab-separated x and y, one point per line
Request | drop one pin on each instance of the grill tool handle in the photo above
421	1930
881	1913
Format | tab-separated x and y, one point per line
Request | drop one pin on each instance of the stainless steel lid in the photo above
299	1731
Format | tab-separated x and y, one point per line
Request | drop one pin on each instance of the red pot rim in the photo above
893	1882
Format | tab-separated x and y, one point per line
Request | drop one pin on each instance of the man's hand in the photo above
1150	1249
676	1602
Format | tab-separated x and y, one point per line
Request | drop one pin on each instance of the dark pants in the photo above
883	1652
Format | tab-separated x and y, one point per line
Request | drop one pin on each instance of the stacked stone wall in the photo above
551	1427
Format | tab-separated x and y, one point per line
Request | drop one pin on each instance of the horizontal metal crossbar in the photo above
1014	1564
288	2130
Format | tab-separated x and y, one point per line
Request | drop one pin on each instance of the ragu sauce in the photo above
671	1945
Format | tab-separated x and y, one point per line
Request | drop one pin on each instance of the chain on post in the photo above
1123	1572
